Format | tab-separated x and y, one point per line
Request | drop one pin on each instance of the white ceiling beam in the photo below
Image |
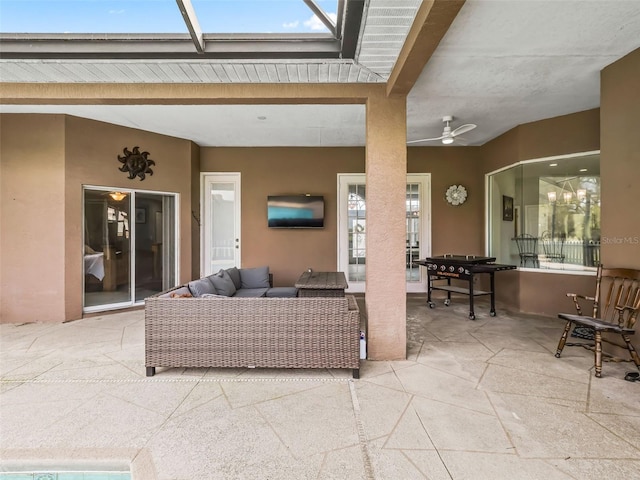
339	17
191	20
173	46
431	23
324	18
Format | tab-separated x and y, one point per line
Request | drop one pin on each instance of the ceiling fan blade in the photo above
463	129
426	140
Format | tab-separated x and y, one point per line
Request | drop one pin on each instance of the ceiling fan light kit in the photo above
448	135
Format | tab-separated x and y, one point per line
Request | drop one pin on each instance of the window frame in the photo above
488	217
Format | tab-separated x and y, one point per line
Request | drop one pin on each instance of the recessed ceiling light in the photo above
262	117
553	164
583	169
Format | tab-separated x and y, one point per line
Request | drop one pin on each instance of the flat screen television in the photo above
295	211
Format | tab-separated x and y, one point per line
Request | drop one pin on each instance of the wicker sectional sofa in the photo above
216	331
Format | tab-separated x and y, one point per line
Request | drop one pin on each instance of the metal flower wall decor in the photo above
136	163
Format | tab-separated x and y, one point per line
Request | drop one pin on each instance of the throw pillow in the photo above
181	295
255	277
200	287
223	284
234	273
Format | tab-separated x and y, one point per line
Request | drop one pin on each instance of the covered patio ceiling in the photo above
500	64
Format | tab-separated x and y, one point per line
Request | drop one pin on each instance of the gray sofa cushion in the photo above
251	292
200	287
234	273
254	277
280	292
223	283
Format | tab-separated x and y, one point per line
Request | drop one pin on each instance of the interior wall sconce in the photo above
136	163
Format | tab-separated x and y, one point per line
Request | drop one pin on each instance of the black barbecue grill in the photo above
461	267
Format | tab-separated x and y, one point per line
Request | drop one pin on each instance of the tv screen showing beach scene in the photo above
295	211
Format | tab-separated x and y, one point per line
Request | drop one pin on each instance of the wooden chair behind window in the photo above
616	305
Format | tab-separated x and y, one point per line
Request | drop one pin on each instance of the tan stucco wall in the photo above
69	152
454	229
566	134
46	159
533	292
574	133
544	293
32	218
91	159
276	171
620	162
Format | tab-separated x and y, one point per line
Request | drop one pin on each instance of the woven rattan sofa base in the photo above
319	332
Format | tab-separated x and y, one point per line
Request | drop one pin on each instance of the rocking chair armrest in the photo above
584	297
575	297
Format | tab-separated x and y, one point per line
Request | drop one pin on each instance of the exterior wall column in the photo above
386	177
32	218
620	162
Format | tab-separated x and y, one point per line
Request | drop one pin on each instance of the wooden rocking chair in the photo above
616	305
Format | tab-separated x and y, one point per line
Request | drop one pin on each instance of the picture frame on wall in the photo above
141	215
507	208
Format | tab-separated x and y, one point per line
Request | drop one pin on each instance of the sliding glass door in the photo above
129	246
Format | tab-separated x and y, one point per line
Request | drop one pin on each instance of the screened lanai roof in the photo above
177	28
252	30
166	16
498	63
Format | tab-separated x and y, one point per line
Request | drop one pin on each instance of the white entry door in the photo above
352	229
220	222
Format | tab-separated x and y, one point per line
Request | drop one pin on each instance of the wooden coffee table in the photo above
321	284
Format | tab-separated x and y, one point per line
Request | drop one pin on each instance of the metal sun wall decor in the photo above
136	163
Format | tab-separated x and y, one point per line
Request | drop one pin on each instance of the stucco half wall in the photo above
46	160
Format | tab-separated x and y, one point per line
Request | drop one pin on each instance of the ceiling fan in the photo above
448	135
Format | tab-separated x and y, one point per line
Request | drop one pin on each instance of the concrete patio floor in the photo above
483	399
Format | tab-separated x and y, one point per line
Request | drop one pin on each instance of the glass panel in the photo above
119	16
104	16
262	16
107	237
357	223
155	244
556	214
413	231
222	228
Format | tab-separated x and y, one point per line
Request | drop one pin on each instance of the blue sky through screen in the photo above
160	16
